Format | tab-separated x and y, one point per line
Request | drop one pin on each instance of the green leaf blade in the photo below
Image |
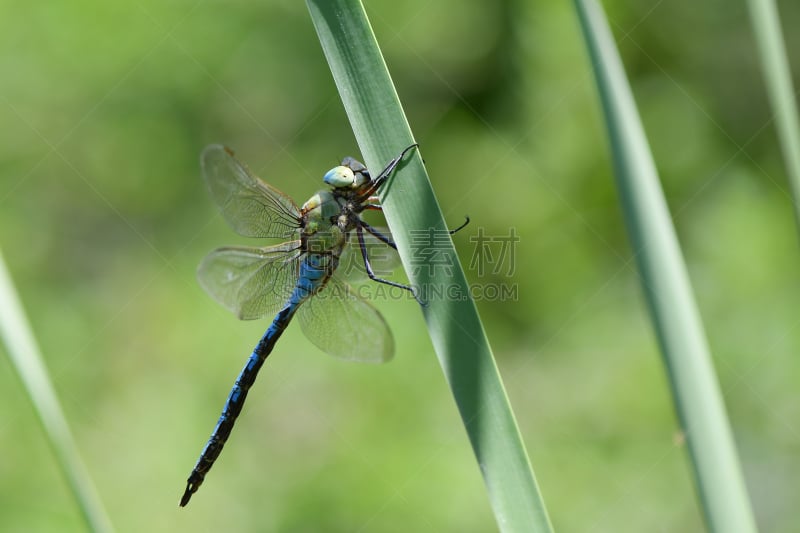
778	77
23	351
667	289
456	331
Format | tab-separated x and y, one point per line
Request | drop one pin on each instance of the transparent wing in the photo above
339	322
251	282
383	258
250	206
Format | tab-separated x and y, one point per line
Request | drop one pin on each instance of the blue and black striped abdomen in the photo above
315	270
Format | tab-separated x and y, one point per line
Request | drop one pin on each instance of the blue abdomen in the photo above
315	270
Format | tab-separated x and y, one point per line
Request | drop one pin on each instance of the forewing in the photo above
251	282
250	206
339	322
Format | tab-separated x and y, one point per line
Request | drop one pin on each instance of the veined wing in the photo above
251	282
250	206
339	322
383	258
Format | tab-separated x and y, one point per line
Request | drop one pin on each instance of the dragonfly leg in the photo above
389	242
373	204
371	273
462	226
386	172
378	235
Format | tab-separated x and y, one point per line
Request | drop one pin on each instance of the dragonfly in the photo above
296	277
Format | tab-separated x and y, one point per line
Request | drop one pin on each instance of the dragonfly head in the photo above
343	177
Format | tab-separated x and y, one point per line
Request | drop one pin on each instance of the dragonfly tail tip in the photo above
187	494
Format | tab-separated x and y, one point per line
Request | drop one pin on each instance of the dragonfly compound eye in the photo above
340	177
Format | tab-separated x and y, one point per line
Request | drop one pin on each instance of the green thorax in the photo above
321	230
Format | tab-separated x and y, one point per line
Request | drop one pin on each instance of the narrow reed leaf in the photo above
26	359
668	292
458	336
767	27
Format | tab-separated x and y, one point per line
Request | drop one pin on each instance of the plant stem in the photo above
667	289
382	131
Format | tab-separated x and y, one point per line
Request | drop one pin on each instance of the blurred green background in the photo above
105	108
